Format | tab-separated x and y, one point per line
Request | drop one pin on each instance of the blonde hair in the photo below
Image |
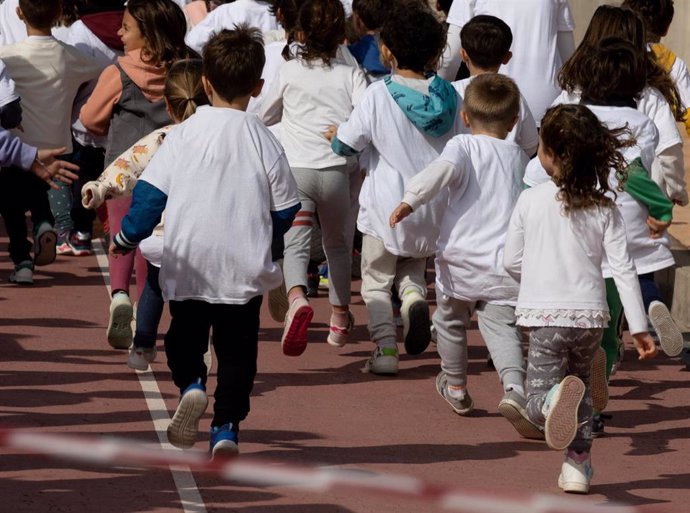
183	88
492	100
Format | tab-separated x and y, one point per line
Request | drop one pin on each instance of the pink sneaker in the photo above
297	320
338	336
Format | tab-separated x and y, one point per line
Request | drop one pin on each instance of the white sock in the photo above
456	393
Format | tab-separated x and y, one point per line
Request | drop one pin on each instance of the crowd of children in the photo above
245	124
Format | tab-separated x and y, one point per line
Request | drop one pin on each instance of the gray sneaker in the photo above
512	407
460	406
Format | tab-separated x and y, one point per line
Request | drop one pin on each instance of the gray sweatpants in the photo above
554	353
381	269
499	331
326	191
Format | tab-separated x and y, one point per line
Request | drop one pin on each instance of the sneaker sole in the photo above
119	332
225	449
670	337
419	334
184	426
388	367
572	487
46	248
295	339
511	412
598	381
278	304
561	422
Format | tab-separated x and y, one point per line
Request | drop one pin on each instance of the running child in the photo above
215	264
126	105
312	92
483	174
558	236
184	93
424	109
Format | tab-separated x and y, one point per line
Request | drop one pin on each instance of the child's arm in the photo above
515	243
425	186
96	113
668	171
351	137
148	203
641	187
627	283
120	177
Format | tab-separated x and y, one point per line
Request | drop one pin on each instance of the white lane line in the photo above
182	476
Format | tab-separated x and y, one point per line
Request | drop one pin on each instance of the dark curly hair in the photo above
415	36
587	152
611	21
321	24
656	14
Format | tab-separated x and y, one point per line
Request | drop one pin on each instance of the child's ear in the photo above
465	118
208	88
387	57
257	88
507	58
513	123
20	14
463	55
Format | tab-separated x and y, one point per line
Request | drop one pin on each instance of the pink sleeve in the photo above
96	113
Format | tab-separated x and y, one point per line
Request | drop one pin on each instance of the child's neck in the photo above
408	73
476	70
488	132
239	103
32	31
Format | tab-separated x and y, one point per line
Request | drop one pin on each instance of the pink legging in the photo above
121	267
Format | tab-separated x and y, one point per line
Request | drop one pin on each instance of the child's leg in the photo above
378	273
121	267
497	324
235	340
149	310
187	340
13	205
61	207
649	289
411	283
451	319
611	338
333	204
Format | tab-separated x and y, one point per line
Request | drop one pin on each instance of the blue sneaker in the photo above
223	441
185	423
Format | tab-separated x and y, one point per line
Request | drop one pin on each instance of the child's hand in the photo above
330	132
47	167
401	212
116	251
644	343
656	227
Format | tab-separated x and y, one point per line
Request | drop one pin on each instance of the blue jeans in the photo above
149	310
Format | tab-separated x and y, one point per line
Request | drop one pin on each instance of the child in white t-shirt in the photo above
558	236
423	108
226	193
312	92
486	44
483	175
255	13
543	40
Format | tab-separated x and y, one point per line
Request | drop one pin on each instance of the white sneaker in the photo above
184	425
120	323
383	361
416	322
141	357
670	336
23	273
560	408
575	477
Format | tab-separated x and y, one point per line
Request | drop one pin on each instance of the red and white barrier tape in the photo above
124	453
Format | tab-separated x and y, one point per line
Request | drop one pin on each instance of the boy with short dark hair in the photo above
483	174
227	190
404	121
486	42
47	75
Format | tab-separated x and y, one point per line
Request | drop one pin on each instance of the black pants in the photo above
90	162
235	341
20	191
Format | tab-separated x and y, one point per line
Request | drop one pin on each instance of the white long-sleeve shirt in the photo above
557	259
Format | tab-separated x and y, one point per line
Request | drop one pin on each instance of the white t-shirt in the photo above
535	25
13	30
524	134
254	13
221	185
558	260
392	162
649	254
309	98
484	183
679	73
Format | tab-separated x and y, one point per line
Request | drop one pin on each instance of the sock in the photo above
340	319
294	294
578	456
119	291
456	391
